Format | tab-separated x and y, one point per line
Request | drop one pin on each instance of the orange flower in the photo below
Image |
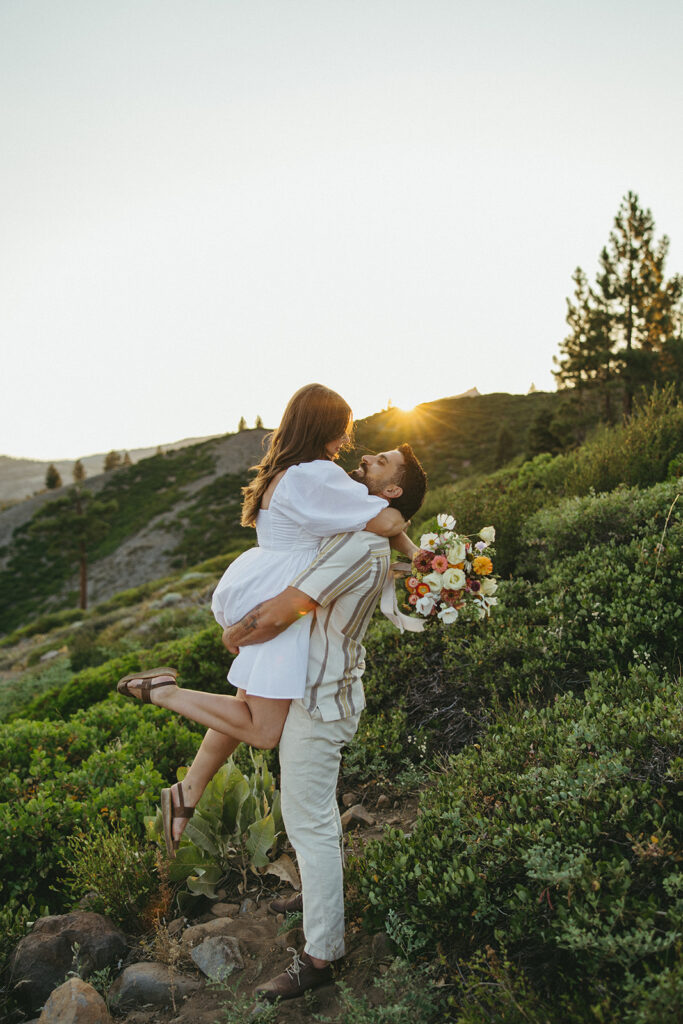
482	565
422	589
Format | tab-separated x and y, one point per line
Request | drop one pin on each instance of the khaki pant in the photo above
310	755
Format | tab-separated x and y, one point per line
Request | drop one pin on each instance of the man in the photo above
342	587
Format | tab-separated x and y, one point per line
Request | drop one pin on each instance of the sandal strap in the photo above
150	684
181	811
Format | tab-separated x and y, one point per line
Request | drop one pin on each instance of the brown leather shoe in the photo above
287	904
295	980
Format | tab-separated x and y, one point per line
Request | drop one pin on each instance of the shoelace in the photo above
296	965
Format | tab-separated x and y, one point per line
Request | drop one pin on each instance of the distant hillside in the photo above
457	437
176	509
171	508
21	478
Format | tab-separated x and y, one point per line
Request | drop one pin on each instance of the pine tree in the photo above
52	478
242	425
624	328
112	461
71	526
258	425
78	472
126	460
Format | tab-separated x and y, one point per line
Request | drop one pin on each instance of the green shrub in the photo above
558	836
113	870
236	827
201	659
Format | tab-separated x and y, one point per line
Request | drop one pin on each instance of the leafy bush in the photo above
201	659
235	827
113	870
558	836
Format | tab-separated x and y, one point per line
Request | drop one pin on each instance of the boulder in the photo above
150	983
75	1002
349	799
253	935
43	958
218	957
356	815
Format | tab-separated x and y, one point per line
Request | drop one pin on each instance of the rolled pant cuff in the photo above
331	953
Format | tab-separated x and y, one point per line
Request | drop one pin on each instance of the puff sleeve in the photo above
322	499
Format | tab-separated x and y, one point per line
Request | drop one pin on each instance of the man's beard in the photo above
358	474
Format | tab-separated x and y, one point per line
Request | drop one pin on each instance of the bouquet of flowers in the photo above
452	577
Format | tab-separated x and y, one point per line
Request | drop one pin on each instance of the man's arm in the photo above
268	619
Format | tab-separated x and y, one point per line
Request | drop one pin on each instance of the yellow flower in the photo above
482	565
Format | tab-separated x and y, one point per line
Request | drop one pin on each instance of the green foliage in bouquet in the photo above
235	828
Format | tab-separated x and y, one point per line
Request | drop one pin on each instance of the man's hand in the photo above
268	619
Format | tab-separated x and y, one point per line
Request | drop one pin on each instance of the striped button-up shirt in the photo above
345	580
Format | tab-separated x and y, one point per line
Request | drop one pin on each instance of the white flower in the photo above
429	541
453	579
457	553
425	604
447	615
434	581
447	537
445	521
488	534
488	586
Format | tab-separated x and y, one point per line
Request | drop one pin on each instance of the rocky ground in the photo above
162	977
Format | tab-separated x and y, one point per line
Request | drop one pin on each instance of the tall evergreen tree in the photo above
625	325
52	478
242	425
258	425
78	472
127	461
112	460
69	527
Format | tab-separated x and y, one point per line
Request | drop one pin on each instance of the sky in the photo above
205	204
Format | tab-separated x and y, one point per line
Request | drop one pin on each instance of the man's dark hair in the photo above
413	480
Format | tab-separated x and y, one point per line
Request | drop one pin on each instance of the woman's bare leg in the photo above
214	751
257	721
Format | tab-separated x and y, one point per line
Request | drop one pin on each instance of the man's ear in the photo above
391	491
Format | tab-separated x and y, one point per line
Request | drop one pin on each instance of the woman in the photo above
298	497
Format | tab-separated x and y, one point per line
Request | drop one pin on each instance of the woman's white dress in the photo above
312	501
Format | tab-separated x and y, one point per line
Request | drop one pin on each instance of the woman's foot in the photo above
177	807
141	687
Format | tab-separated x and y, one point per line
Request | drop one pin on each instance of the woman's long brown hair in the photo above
314	416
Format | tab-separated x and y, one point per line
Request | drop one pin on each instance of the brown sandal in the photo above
169	813
148	683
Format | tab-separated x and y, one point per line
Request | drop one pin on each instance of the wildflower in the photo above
482	565
448	615
422	560
488	534
429	541
445	521
440	563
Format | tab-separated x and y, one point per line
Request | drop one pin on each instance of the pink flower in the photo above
439	563
412	599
